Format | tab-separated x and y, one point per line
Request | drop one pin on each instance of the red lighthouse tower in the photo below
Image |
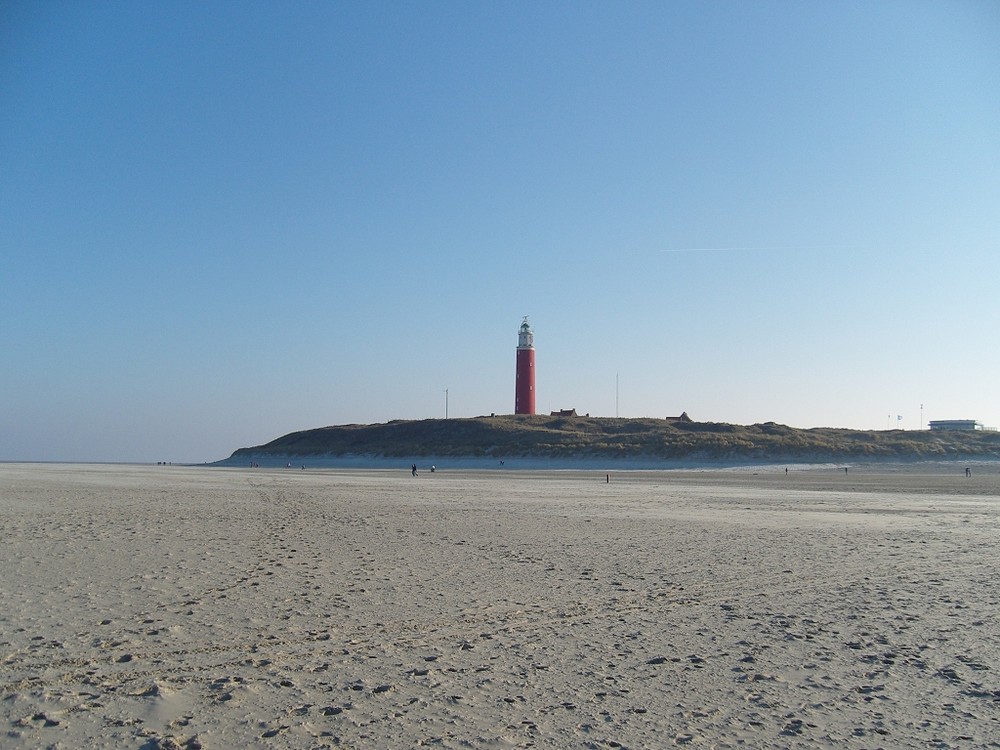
524	384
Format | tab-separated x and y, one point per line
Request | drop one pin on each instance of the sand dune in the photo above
165	607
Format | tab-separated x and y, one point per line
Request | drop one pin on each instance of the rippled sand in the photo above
164	607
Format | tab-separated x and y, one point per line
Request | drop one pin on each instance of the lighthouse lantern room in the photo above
524	384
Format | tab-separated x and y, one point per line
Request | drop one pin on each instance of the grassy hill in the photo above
612	438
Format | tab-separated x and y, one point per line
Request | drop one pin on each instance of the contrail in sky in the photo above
758	249
712	249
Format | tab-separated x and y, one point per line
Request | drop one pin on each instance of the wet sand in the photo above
165	607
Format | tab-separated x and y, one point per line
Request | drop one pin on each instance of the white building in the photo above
955	424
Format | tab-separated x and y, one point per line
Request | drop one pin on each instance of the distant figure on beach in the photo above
968	471
413	470
845	470
433	468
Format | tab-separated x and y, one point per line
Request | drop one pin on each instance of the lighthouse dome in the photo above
525	336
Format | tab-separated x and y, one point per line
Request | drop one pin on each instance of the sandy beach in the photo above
179	607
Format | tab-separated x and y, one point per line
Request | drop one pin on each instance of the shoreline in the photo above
817	463
542	465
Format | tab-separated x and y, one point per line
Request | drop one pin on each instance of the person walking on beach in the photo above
413	470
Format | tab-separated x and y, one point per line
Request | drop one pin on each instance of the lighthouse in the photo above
524	383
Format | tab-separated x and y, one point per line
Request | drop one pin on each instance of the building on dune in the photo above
957	424
564	413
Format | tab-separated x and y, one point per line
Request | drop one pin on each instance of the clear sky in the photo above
221	222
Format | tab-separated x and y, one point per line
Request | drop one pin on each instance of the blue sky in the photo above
221	222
